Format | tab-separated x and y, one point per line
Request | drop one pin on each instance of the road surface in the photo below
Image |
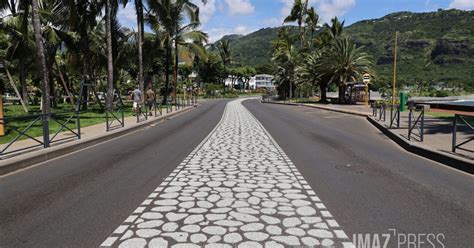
271	175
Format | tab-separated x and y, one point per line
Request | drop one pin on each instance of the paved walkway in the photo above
86	133
236	189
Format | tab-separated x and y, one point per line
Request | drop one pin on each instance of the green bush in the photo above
231	95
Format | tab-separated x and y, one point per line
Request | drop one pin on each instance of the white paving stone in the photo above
232	238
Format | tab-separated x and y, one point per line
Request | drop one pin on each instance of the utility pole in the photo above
394	67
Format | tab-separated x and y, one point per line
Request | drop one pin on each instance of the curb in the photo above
34	157
446	159
323	108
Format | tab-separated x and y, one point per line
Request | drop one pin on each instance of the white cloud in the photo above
331	8
241	29
240	7
272	22
206	11
128	16
327	9
462	4
216	34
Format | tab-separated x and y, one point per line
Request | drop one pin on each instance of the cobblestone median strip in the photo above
236	189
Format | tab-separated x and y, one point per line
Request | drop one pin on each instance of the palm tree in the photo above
171	15
312	20
17	25
110	13
79	17
41	57
309	71
225	54
110	59
344	62
335	29
286	55
140	24
298	14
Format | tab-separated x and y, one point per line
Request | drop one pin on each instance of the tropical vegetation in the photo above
322	59
435	49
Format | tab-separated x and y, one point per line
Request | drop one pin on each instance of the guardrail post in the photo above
398	116
78	124
409	124
422	123
455	125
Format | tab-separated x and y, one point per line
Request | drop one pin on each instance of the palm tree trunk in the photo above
110	59
24	89
139	8
41	58
176	63
322	88
167	73
342	91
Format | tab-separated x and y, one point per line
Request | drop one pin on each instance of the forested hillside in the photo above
433	47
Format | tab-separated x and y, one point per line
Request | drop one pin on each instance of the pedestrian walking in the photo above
137	99
150	99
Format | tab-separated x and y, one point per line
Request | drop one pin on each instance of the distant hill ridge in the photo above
434	46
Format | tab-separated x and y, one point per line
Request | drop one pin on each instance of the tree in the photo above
170	15
285	55
21	43
298	13
110	59
247	74
140	27
225	55
312	20
344	62
41	57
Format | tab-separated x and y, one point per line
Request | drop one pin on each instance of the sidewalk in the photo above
90	135
437	133
360	110
88	132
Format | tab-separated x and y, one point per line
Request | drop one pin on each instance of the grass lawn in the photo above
87	118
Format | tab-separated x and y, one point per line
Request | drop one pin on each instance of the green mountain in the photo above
433	47
255	48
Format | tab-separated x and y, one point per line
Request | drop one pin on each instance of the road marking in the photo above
236	189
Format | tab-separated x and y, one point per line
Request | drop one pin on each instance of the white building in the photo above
234	81
262	81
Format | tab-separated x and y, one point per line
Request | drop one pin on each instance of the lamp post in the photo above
394	67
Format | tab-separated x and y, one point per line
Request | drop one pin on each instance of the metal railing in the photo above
23	126
374	109
63	119
394	116
416	122
460	119
114	119
141	115
379	111
157	108
382	112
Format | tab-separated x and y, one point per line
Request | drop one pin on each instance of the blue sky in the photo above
222	17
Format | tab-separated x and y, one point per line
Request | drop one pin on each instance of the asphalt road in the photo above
78	200
384	187
367	182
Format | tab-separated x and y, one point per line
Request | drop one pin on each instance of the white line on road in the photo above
236	189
